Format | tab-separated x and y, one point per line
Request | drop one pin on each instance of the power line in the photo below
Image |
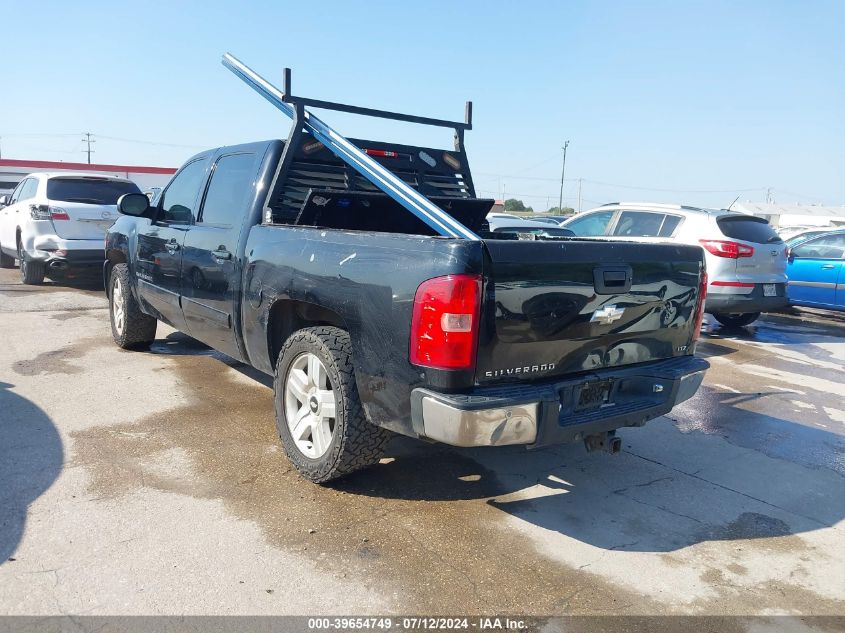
132	140
634	187
37	135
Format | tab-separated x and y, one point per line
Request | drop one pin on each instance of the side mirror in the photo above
4	201
790	256
135	204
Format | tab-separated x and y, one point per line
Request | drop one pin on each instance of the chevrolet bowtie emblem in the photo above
607	315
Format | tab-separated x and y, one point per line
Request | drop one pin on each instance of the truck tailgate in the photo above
562	306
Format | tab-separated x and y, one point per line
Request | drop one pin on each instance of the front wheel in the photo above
130	328
319	416
737	320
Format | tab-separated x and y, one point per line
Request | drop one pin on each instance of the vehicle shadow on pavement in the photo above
674	485
180	344
31	457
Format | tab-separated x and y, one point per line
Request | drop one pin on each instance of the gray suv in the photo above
746	259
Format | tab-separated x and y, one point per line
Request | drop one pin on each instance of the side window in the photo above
828	247
178	200
639	224
591	225
646	224
16	194
231	183
27	189
670	223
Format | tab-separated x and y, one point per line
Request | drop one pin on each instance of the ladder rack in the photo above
380	176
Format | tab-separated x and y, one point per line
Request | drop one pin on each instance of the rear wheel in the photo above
737	320
32	272
130	328
319	417
6	261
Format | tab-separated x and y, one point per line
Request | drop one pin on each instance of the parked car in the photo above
816	271
746	259
545	220
376	319
55	222
499	216
805	235
505	225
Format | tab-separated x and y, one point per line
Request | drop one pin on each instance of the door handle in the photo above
172	246
828	267
221	253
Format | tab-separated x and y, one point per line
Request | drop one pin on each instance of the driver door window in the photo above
178	203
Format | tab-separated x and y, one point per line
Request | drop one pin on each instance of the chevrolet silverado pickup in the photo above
301	258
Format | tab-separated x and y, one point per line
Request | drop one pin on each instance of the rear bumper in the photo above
541	415
58	253
754	301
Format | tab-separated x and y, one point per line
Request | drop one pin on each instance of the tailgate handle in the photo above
609	280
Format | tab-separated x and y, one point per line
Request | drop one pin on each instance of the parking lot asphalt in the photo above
153	483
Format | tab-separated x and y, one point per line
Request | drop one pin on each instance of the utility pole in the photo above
562	174
88	140
579	194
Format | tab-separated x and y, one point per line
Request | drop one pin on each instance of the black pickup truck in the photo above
284	256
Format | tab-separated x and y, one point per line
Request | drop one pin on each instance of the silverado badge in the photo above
607	315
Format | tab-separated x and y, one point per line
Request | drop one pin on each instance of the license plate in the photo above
770	290
594	394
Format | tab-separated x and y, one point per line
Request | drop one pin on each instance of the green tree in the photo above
512	204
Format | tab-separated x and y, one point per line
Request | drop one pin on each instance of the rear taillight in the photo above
444	329
44	212
58	214
39	212
699	308
731	250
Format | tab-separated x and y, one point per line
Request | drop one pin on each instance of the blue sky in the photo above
702	99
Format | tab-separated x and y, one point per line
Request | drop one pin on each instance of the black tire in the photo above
32	272
130	328
355	443
6	261
737	320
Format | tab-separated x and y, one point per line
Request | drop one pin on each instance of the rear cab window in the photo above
88	190
748	228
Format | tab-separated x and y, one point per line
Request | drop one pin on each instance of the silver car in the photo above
746	259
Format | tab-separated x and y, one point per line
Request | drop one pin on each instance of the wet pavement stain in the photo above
379	526
58	361
421	523
67	315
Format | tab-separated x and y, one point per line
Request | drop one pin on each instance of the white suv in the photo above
53	222
746	259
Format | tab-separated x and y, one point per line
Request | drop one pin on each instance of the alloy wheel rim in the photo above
117	306
310	405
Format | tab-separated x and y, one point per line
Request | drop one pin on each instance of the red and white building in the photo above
13	171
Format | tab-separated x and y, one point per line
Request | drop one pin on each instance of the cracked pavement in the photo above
153	483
